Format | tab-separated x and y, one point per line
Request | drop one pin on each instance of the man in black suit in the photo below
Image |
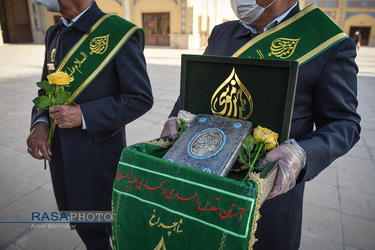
325	99
90	135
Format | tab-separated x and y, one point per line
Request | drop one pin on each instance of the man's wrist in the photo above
40	119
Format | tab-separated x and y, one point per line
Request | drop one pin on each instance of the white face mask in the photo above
51	5
248	11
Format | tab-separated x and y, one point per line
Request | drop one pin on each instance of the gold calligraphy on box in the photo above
232	99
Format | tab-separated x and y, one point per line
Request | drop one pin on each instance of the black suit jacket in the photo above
84	162
325	98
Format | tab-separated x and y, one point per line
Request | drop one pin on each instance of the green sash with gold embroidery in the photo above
300	38
92	53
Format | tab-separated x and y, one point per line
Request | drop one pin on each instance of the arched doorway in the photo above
364	31
15	21
157	28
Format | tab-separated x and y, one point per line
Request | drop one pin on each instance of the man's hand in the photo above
170	128
37	142
291	158
67	115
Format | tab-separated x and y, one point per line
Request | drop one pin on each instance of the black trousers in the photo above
96	238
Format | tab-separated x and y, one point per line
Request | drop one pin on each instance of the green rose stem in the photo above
48	145
50	132
54	95
254	160
53	102
181	128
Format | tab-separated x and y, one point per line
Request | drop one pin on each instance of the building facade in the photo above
350	16
173	23
22	21
179	23
184	24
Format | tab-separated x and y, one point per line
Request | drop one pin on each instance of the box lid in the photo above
258	90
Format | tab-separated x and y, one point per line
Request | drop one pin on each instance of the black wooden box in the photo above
258	90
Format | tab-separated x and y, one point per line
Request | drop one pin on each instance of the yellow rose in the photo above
59	78
268	136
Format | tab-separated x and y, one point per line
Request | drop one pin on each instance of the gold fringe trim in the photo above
115	226
223	240
260	182
161	143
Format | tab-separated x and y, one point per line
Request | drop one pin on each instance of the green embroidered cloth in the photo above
159	204
301	38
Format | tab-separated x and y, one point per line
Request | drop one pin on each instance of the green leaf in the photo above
48	88
258	145
242	155
253	154
185	126
182	127
248	144
42	84
42	102
62	97
264	150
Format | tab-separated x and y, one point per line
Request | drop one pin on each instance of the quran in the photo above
210	144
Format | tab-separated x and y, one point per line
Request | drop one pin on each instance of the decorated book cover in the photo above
210	144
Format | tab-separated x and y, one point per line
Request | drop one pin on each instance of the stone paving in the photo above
339	204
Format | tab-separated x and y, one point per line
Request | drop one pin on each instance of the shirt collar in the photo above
272	24
66	22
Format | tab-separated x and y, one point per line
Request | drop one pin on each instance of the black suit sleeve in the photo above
35	113
335	115
134	96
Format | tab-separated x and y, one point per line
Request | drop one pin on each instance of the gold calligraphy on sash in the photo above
77	64
283	47
99	45
232	99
